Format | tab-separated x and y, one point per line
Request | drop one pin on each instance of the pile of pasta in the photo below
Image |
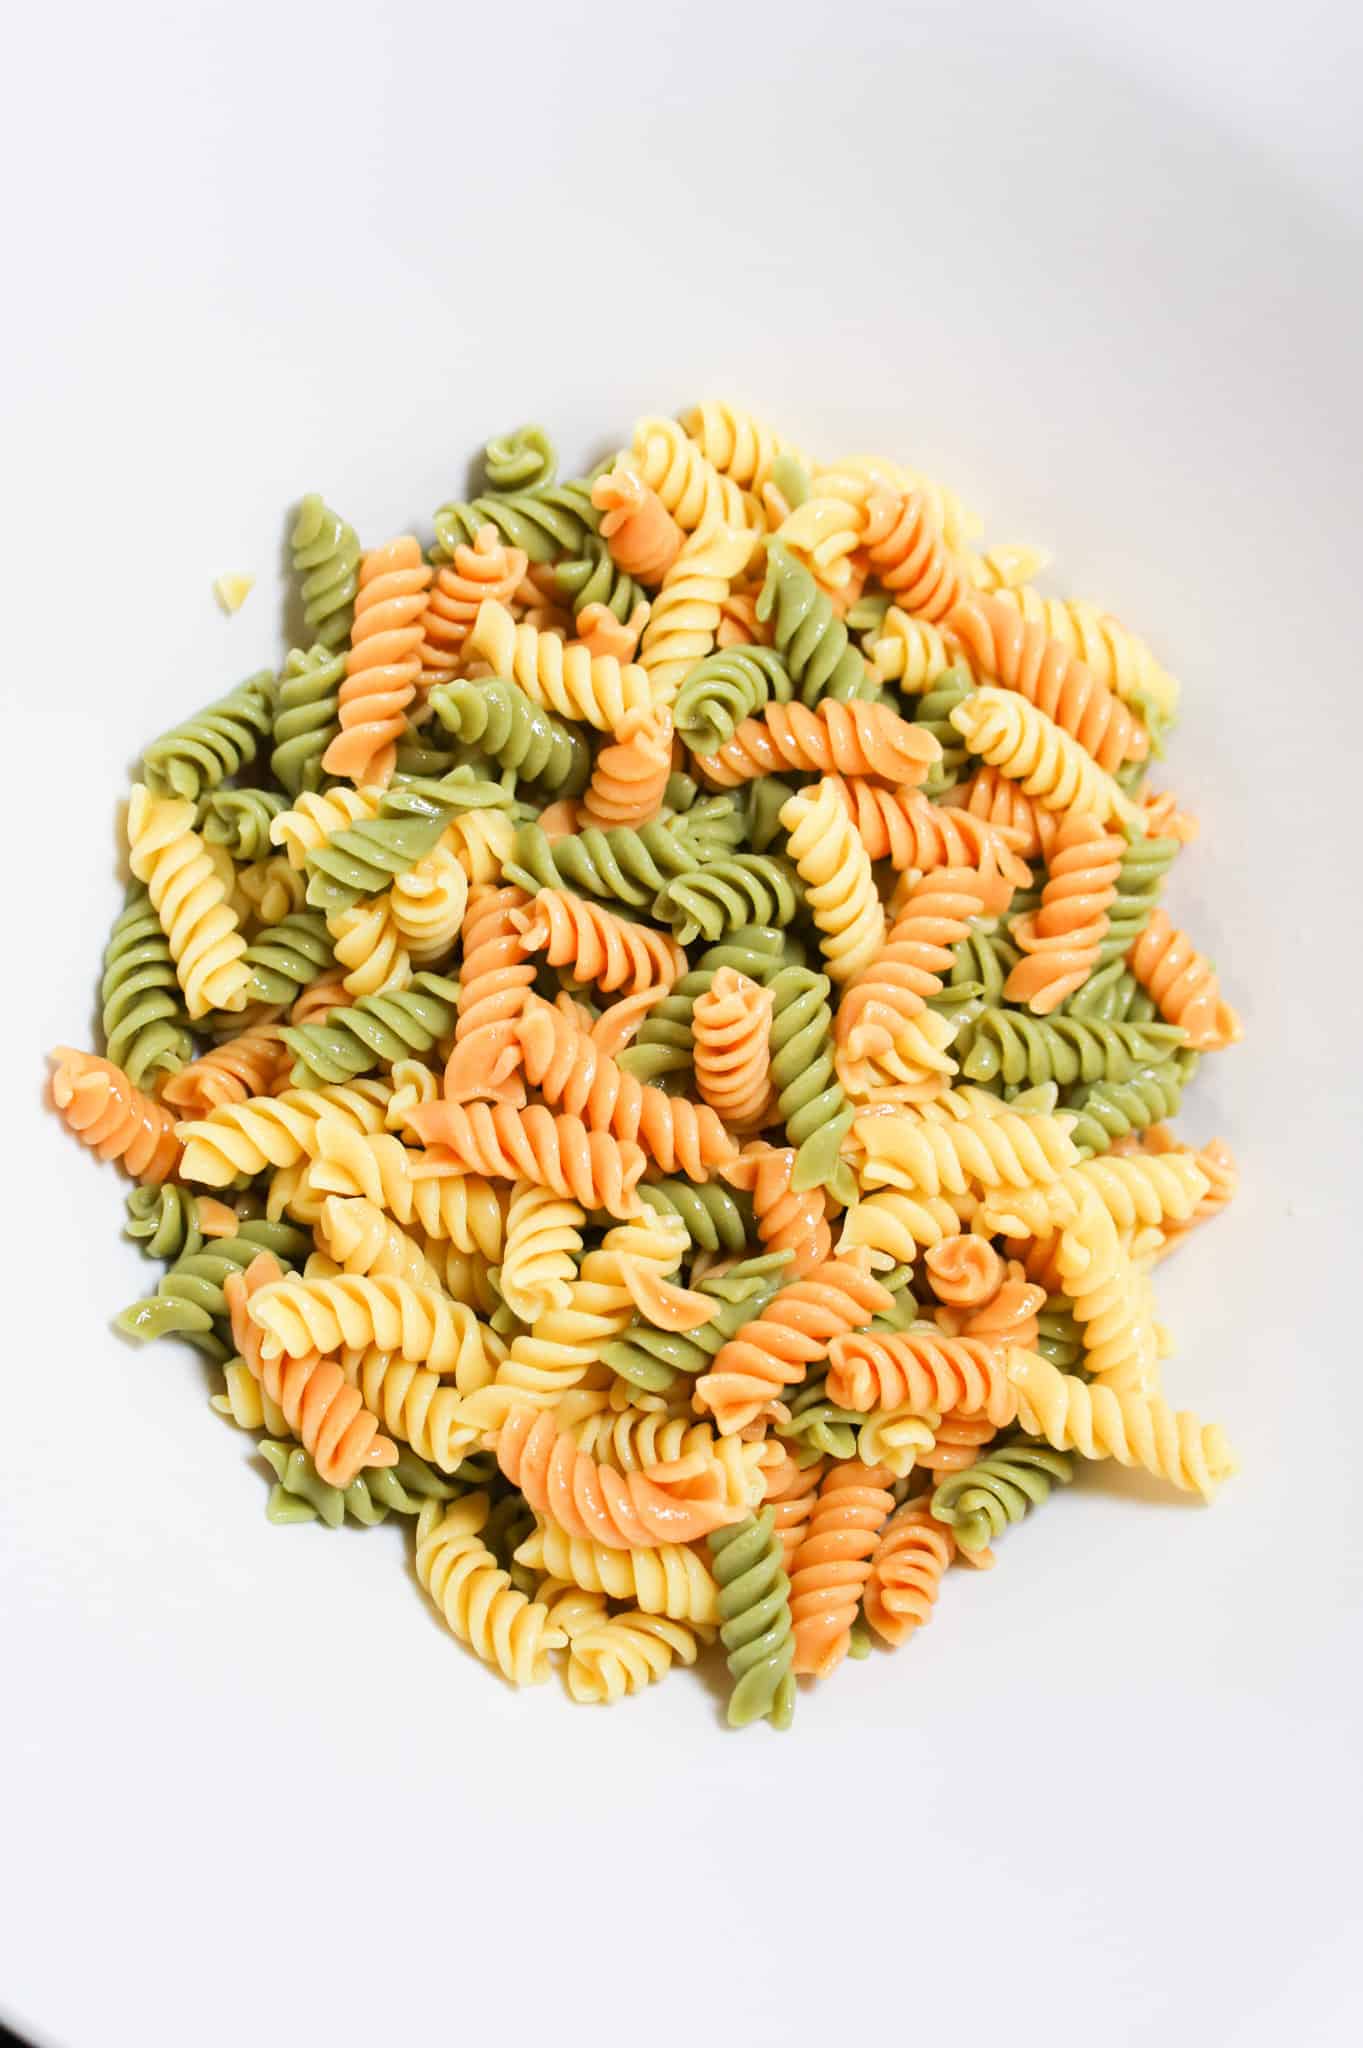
648	1046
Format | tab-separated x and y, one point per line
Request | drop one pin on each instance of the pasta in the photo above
646	1051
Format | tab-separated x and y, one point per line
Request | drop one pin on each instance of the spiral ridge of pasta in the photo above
188	897
592	577
833	1563
1003	645
302	1495
651	1360
487	568
664	1579
515	730
731	1024
846	739
624	1653
903	827
786	1220
689	485
100	1106
567	679
573	1074
384	662
351	1311
1108	1110
726	687
809	1097
251	1064
194	757
905	549
476	1597
189	1300
726	894
164	1220
753	1608
896	1226
544	521
923	1367
142	1010
638	1440
539	1259
927	1159
1115	656
558	1152
812	640
1018	1049
629	865
907	970
366	858
369	944
414	1405
990	796
326	561
957	1443
822	534
316	816
708	1213
630	774
1184	985
427	907
643	537
909	651
964	1271
1062	939
244	1402
623	1510
306	715
907	1564
685	614
596	944
735	443
1011	733
311	1392
795	1330
1133	1428
839	886
1216	1162
265	1131
240	820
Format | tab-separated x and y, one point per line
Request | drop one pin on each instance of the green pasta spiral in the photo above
498	716
726	687
762	800
628	865
522	460
716	1219
217	742
817	1427
664	1043
810	1098
420	753
1105	1110
240	820
300	1494
755	1625
980	965
746	888
651	1359
790	477
1059	1337
306	716
544	522
1111	995
373	1032
142	1008
594	577
283	959
867	615
326	561
163	1221
1020	1049
1140	879
977	1505
365	857
808	632
932	710
188	1301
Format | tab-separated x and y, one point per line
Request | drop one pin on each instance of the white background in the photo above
1101	271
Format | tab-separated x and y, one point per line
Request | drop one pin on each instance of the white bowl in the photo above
1104	280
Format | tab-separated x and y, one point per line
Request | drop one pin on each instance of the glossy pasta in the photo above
646	1051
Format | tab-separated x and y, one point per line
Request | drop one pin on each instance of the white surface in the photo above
1100	274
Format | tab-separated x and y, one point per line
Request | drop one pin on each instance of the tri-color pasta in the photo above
646	1050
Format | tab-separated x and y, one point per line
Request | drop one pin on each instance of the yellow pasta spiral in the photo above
468	1209
1117	657
427	905
317	815
1135	1429
566	678
352	1311
739	446
543	1243
275	1130
625	1653
689	485
1013	736
909	651
839	885
189	898
685	615
928	1158
665	1579
370	945
414	1404
477	1598
896	1227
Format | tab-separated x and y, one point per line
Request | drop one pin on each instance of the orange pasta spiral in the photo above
996	799
957	1443
907	552
602	633
1005	646
909	968
739	625
791	1497
1008	1317
786	1221
558	1152
731	1022
319	999
904	828
253	1063
623	1510
630	773
643	537
964	1271
383	664
99	1104
1164	818
1061	940
851	739
573	1074
1223	1175
778	1347
596	944
494	981
1184	985
833	1563
487	569
906	1571
920	1367
325	1413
